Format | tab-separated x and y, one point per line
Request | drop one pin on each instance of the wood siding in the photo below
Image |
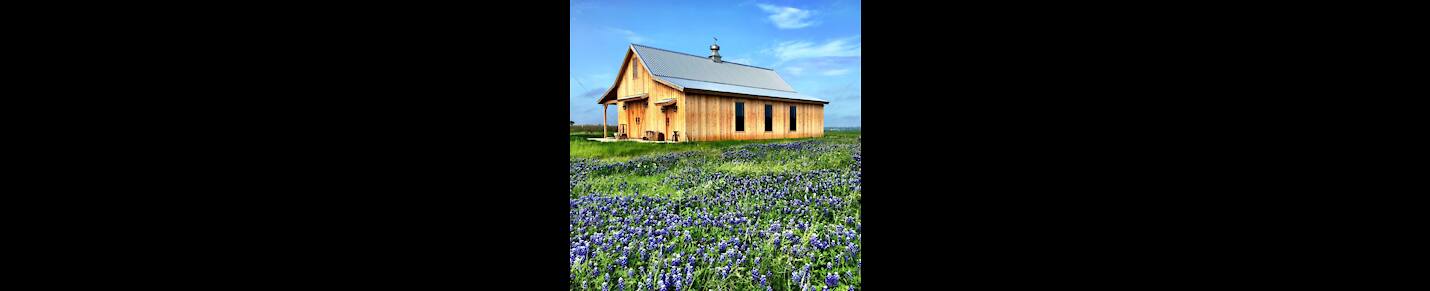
651	115
712	118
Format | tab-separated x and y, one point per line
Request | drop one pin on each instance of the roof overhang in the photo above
665	101
634	97
708	92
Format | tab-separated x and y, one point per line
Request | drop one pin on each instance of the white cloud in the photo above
795	70
788	17
844	47
835	72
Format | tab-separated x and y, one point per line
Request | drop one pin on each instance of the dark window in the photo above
633	69
739	116
638	121
791	118
769	117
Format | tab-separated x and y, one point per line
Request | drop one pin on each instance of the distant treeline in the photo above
590	128
597	128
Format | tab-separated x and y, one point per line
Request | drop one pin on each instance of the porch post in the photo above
603	120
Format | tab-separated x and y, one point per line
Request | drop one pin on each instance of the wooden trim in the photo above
634	97
667	83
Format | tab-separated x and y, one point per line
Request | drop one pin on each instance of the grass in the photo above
582	148
715	183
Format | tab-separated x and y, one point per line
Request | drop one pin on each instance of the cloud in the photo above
822	66
834	57
843	47
591	94
788	17
630	36
835	72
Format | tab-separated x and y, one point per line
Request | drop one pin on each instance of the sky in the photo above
814	45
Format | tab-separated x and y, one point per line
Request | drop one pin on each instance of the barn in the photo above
664	95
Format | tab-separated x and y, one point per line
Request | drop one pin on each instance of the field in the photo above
736	215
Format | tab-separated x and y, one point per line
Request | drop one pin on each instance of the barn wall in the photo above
712	118
650	115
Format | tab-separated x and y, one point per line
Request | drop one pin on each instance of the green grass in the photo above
582	148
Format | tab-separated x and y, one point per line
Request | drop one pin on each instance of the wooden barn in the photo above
664	95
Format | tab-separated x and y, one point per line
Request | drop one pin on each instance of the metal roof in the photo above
709	86
690	71
682	71
691	67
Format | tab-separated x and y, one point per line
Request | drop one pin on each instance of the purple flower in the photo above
832	280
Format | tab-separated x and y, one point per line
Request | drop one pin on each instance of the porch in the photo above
612	139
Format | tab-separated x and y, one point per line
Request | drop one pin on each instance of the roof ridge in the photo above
656	48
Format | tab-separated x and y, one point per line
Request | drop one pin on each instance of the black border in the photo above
352	146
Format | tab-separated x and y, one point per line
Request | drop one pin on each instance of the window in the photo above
769	117
739	116
635	70
791	118
638	121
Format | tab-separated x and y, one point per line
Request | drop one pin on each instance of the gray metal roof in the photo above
696	72
708	86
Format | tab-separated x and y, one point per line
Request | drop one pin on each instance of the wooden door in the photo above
669	113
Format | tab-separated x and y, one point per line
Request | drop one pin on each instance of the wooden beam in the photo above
603	120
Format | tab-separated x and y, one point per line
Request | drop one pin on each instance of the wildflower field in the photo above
747	215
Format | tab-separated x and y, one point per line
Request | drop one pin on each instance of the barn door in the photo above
669	112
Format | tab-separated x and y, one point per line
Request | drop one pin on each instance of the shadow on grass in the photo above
582	148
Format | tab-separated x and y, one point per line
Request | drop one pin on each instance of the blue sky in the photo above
815	46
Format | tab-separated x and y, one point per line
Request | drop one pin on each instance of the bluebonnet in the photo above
690	272
832	279
749	214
